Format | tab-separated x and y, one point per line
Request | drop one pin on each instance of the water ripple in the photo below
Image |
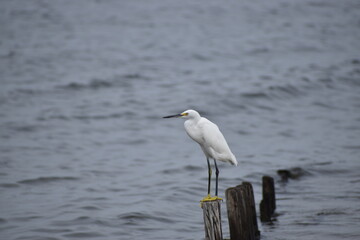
83	235
9	185
41	180
134	218
94	84
52	230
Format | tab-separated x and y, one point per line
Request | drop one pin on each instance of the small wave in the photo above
263	107
193	168
234	104
97	117
135	142
352	147
242	132
306	48
90	208
134	217
51	230
40	180
82	220
332	171
88	199
134	76
26	219
25	128
92	190
53	117
322	163
266	94
355	181
27	91
324	105
287	133
266	77
87	117
9	185
328	212
94	84
255	95
305	224
352	81
37	238
284	91
16	94
77	221
117	189
258	50
200	57
84	235
171	171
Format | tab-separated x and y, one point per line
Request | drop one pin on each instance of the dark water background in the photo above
85	154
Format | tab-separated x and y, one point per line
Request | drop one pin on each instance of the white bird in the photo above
211	141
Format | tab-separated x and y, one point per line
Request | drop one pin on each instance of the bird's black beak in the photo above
173	116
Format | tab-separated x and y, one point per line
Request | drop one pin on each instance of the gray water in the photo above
85	153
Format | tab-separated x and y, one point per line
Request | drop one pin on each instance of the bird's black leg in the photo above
217	178
209	180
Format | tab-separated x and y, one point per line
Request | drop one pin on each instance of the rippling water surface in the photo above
85	154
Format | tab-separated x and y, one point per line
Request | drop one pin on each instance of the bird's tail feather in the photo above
233	160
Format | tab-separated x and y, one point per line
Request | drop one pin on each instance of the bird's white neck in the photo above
194	118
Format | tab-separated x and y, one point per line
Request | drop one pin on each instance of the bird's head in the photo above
188	114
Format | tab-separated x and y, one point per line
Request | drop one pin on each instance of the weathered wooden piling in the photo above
267	204
251	201
212	220
241	212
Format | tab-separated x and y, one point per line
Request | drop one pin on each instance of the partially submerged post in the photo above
241	212
212	219
267	205
252	215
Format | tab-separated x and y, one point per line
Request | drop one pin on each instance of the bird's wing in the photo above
214	139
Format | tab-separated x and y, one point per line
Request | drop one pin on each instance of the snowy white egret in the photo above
211	141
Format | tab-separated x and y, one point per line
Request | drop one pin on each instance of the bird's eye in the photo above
185	114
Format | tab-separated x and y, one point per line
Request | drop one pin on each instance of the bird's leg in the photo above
217	180
208	197
209	178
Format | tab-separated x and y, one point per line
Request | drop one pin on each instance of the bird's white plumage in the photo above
208	136
211	141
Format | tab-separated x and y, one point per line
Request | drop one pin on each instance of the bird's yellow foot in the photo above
217	198
209	198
